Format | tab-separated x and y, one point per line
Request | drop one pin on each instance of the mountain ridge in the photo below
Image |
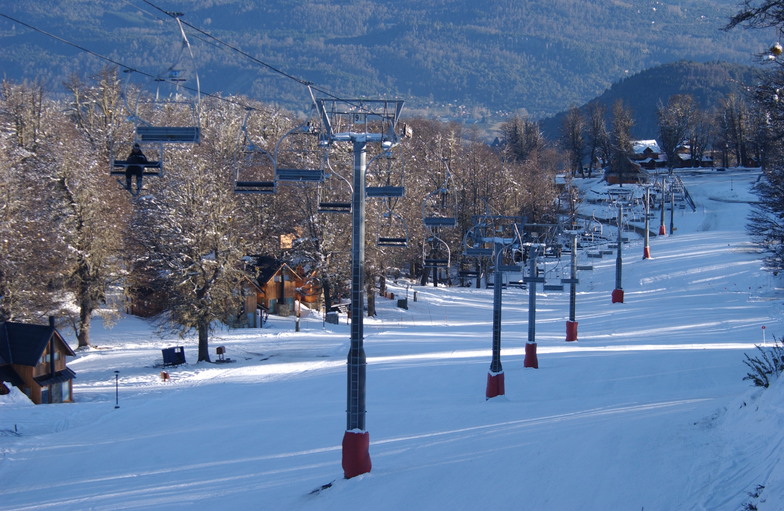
448	59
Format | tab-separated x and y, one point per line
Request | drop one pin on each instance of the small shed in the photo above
250	292
33	358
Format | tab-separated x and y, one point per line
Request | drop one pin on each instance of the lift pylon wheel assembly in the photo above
369	120
173	94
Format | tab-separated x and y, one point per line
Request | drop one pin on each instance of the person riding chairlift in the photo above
136	156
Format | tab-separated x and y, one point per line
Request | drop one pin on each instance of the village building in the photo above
33	358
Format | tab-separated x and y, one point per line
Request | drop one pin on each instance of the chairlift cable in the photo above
245	54
116	62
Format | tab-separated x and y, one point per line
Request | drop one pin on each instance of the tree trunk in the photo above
85	317
326	287
371	298
86	307
204	348
424	277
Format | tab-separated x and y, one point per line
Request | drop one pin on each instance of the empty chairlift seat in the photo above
171	134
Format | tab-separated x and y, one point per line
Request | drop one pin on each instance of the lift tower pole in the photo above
359	121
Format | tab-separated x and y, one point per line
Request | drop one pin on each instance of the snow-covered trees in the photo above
598	136
26	240
69	233
60	237
765	223
676	118
187	232
94	210
621	140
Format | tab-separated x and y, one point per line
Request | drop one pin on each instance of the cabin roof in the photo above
23	344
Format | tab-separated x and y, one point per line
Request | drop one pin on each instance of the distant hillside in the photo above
706	82
453	58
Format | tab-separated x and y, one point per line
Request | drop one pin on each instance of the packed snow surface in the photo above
647	410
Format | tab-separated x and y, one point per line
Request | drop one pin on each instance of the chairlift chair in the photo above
171	87
334	193
436	253
255	172
385	175
439	208
254	167
152	167
300	155
392	230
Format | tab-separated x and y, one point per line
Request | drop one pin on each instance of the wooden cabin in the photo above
277	282
33	358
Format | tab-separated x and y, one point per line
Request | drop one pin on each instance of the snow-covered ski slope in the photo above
647	410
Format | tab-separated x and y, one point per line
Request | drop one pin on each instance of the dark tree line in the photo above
732	132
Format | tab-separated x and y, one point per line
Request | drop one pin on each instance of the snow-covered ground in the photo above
647	410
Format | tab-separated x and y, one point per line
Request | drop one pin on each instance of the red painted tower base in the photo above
356	453
662	230
530	356
571	331
495	385
646	253
617	296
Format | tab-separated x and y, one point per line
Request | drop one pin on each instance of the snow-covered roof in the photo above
639	146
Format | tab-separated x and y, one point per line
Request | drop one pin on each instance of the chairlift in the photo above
439	206
152	168
172	87
392	230
436	253
255	172
475	241
334	193
385	175
301	155
254	167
